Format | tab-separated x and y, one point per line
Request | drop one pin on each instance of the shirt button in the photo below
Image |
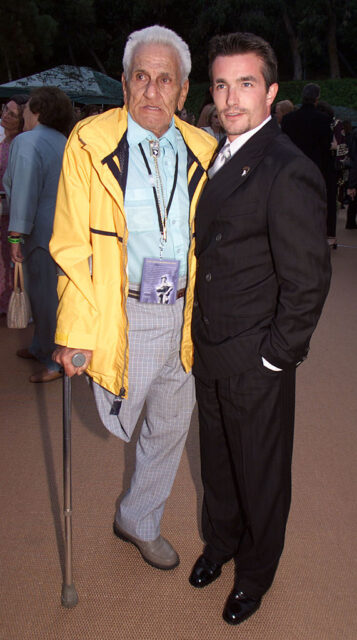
208	277
205	320
218	237
195	304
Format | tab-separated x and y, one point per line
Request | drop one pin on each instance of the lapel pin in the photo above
245	171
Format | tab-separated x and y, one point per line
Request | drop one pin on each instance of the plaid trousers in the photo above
157	378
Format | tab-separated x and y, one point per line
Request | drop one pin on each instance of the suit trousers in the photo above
157	381
351	215
246	440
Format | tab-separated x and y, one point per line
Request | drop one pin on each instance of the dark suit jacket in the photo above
263	260
311	131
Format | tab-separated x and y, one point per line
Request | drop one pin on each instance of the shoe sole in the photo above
27	357
48	380
152	564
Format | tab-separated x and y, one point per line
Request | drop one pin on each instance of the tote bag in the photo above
19	311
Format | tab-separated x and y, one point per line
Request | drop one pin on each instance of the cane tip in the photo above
69	596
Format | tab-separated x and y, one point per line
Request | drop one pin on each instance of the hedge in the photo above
341	92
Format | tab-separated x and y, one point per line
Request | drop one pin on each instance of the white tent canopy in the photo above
81	84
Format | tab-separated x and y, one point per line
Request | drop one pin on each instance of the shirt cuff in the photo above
270	366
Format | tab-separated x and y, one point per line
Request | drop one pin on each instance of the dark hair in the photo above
54	108
20	99
347	125
310	93
236	43
90	110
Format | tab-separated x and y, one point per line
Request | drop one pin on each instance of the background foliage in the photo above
314	40
335	92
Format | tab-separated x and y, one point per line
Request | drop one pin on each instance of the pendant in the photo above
154	148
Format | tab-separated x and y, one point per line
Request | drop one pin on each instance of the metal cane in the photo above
69	596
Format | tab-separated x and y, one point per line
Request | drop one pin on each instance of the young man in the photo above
263	275
130	182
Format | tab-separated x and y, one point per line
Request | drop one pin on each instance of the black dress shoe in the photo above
204	572
239	607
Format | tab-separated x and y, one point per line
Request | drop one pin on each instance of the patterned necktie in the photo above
223	157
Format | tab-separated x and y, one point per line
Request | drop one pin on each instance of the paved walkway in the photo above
121	597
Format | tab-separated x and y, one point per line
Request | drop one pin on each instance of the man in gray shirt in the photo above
31	183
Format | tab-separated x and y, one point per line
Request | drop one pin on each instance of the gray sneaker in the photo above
158	553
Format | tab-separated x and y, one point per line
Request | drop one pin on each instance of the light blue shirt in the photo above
139	201
31	182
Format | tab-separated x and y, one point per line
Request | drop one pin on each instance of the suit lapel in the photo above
241	167
231	177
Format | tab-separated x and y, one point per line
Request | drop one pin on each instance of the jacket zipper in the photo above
125	235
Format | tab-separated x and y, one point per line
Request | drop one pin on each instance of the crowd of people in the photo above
313	127
223	224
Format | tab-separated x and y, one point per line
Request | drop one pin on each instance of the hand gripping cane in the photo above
69	596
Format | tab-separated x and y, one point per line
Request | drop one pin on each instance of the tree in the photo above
27	35
320	35
294	42
317	24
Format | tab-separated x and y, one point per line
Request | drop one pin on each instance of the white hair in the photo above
157	35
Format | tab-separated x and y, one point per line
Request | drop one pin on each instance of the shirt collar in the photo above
137	134
244	137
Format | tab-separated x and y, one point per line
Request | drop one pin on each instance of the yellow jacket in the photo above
90	228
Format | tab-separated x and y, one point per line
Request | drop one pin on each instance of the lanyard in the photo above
162	210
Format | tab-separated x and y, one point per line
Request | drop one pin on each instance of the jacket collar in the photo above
196	139
101	134
104	137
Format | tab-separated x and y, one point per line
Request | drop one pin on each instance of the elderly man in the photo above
31	182
125	212
262	278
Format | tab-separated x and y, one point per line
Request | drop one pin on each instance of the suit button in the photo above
208	277
205	320
218	237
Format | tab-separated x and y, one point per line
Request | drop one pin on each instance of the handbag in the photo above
19	311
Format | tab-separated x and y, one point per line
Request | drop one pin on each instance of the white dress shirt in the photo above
233	147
